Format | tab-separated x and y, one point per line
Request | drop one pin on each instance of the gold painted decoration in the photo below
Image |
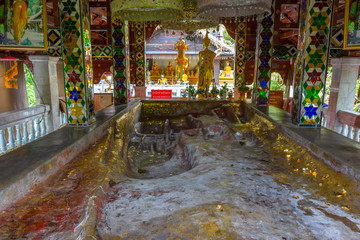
10	80
146	10
232	8
191	22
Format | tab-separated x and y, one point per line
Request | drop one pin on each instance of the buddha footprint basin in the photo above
160	149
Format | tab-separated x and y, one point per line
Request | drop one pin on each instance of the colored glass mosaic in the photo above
54	37
54	51
76	53
102	51
264	58
284	51
240	53
337	37
120	46
140	53
249	55
311	68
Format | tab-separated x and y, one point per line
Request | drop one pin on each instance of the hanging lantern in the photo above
232	8
146	10
191	22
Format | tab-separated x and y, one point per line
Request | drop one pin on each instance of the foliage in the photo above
224	90
30	87
214	91
243	87
277	83
357	105
191	90
228	39
357	98
230	94
201	91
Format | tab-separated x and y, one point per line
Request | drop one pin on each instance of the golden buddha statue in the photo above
206	64
170	69
182	62
227	70
155	69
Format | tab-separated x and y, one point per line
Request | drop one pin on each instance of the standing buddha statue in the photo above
181	60
206	64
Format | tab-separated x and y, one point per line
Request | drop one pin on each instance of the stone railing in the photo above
22	126
350	124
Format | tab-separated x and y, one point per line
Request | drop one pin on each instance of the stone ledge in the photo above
27	166
338	152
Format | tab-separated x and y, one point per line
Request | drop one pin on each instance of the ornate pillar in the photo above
312	61
137	61
240	52
76	54
121	61
263	61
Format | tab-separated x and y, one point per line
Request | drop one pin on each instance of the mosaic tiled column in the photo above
140	53
264	50
240	52
121	61
76	53
312	61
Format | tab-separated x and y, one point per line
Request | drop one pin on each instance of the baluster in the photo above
62	118
3	143
26	133
18	135
65	118
32	131
356	135
43	127
37	128
11	137
342	131
350	132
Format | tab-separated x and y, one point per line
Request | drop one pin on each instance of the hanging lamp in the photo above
191	22
146	10
233	8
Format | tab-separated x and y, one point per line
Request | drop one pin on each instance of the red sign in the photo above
161	94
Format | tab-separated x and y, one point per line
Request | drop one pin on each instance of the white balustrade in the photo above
22	126
350	132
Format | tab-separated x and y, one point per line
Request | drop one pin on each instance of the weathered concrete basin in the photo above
191	170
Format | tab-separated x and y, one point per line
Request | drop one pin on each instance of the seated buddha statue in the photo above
227	70
170	69
155	69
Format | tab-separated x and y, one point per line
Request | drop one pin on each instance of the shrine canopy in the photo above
187	15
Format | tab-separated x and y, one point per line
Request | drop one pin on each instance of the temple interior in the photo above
179	119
